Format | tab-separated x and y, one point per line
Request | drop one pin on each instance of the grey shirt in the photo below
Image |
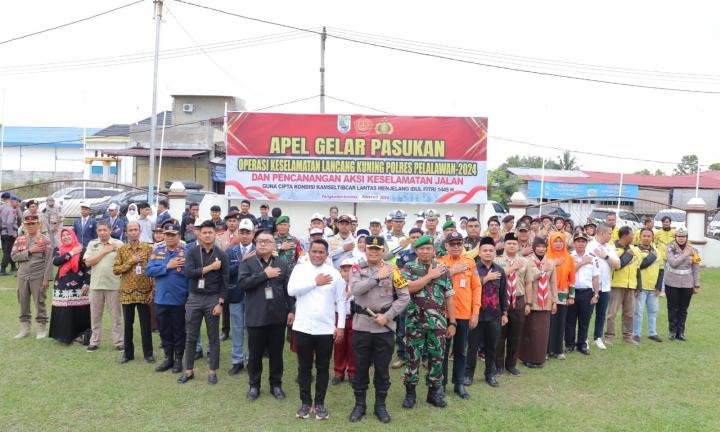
32	265
681	271
369	293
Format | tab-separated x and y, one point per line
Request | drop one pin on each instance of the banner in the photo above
356	158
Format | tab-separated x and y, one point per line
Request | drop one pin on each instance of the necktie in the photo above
511	287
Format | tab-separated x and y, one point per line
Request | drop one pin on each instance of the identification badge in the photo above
268	293
138	269
462	283
201	283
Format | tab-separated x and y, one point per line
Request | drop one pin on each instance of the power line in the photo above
288	103
357	104
454	59
69	23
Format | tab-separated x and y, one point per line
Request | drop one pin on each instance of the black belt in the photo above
356	308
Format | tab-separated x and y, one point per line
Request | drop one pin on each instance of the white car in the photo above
714	226
68	199
677	218
624	217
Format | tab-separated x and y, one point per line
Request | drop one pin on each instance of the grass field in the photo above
670	386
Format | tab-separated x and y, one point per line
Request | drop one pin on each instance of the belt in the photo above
356	308
581	288
680	271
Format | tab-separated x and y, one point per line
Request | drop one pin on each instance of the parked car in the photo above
69	198
624	217
714	226
677	218
548	210
122	199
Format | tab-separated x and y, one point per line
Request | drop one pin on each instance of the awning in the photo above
143	152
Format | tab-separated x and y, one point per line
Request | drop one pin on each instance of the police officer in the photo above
427	323
33	254
372	283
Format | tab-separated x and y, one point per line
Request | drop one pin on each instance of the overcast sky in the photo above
665	36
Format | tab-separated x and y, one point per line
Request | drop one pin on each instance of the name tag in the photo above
201	283
268	293
138	269
462	283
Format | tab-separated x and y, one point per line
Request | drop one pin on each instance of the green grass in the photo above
669	386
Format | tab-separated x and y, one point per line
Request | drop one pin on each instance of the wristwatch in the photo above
454	324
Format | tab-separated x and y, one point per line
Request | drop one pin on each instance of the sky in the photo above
650	43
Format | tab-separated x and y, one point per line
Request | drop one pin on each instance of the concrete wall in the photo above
189	137
682	196
709	252
204	107
197	169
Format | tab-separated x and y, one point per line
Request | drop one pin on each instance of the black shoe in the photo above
165	365
253	393
498	371
4	273
410	396
120	348
177	363
655	338
182	379
277	393
198	355
91	348
584	351
672	336
124	360
468	381
212	379
569	349
338	379
435	398
357	413
150	359
382	413
492	381
460	391
223	336
681	337
513	371
236	369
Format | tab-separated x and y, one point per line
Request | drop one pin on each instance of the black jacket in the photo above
252	279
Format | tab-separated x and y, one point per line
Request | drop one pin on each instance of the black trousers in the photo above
143	311
486	333
557	330
376	349
197	308
578	316
458	345
225	326
7	244
318	348
507	347
678	302
260	339
171	324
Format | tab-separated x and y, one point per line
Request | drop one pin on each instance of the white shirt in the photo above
605	270
315	306
584	275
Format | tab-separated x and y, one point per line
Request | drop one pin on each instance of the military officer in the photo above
430	318
372	283
33	254
286	245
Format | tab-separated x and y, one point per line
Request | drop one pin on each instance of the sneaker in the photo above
397	364
655	338
91	348
636	338
561	356
303	412
631	342
599	343
321	413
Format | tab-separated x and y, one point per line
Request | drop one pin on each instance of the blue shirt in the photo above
171	287
235	257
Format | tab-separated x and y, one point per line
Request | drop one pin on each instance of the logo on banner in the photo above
384	128
344	123
363	125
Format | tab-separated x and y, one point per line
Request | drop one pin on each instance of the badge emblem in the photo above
344	124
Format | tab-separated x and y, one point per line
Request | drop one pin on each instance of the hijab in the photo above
132	213
566	271
73	264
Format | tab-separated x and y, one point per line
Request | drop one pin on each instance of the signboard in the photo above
557	190
356	158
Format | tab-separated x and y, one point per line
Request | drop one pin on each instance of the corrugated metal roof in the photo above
168	119
135	151
17	136
708	179
114	130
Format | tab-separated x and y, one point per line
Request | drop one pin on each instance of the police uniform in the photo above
373	343
34	270
426	323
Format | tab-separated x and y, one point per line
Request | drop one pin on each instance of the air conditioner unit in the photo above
188	108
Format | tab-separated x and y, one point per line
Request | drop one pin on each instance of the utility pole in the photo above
323	37
158	4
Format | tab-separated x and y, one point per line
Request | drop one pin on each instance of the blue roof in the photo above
19	136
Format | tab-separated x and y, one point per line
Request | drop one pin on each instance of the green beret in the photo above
449	224
422	241
282	219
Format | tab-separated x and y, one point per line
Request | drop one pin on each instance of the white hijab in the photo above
132	213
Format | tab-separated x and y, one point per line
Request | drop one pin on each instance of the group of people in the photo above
521	291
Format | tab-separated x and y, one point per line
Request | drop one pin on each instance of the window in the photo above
499	208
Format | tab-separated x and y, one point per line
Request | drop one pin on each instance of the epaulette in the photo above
362	263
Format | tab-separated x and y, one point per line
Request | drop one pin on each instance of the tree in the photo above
517	161
567	161
502	184
659	172
644	172
715	166
688	165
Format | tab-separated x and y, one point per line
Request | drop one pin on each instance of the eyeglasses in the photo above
265	242
454	244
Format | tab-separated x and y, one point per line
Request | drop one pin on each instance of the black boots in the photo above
177	363
358	410
410	396
168	363
380	410
436	398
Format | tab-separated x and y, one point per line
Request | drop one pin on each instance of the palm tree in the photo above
567	161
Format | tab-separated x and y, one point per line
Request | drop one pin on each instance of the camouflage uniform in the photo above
426	324
289	255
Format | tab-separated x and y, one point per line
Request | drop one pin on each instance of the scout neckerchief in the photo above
542	291
511	286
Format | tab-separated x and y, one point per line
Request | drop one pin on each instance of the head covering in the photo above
453	236
375	221
282	219
431	214
171	228
362	233
592	224
448	224
132	213
487	241
347	262
73	264
5	195
316	231
580	235
246	224
565	272
232	216
522	226
344	218
510	236
112	206
398	215
681	232
83	204
508	218
422	241
317	216
375	242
